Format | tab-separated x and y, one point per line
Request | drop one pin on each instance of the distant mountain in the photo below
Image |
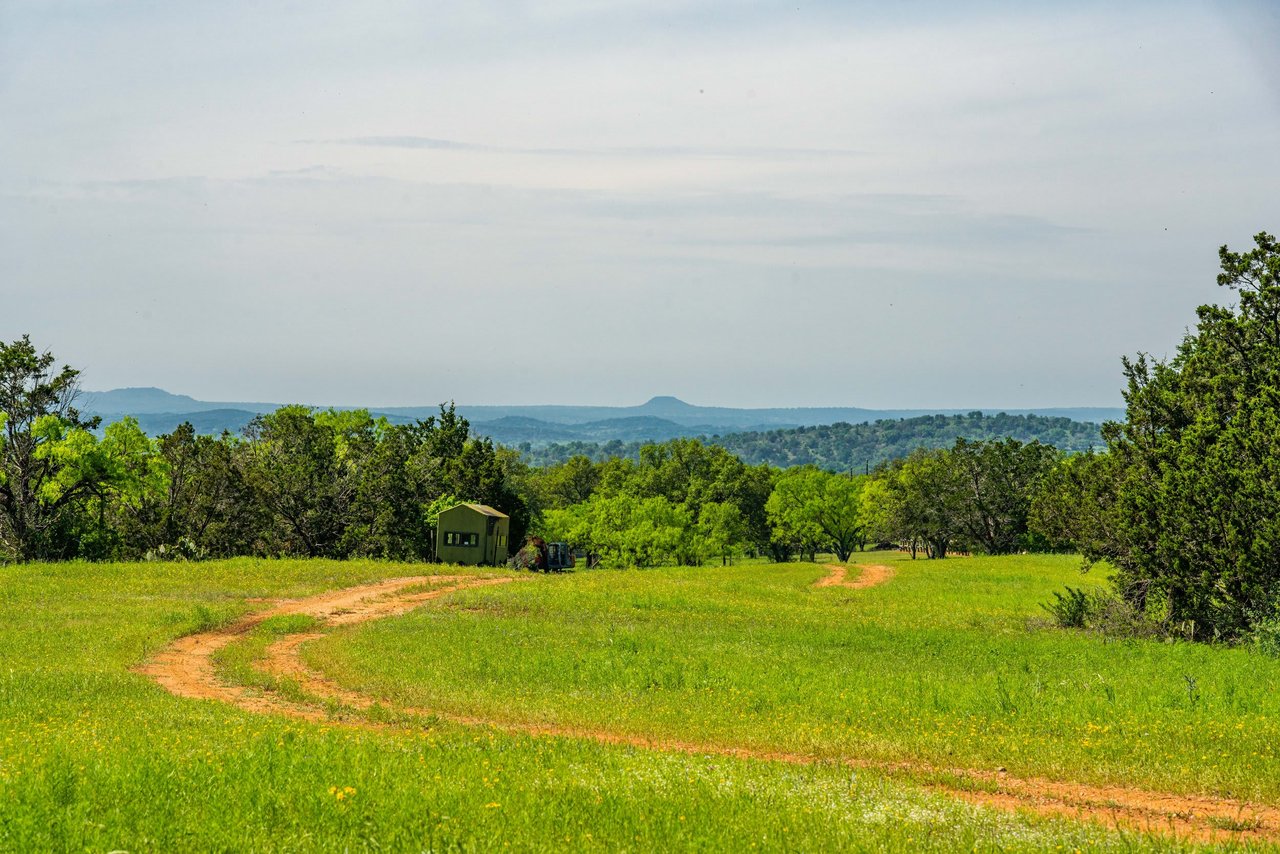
658	419
157	401
514	429
210	421
721	419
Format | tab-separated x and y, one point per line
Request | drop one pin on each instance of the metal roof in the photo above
483	508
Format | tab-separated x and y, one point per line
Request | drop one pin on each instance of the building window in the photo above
461	538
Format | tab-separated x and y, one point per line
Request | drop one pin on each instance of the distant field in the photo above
938	664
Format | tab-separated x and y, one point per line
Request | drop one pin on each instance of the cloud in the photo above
848	202
436	144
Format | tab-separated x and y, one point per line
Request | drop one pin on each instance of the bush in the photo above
1070	610
1105	613
1264	636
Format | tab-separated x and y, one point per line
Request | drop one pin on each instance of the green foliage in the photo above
1072	507
973	496
1070	608
1264	631
930	500
1000	481
812	510
300	482
49	467
628	530
1105	613
722	529
680	502
1194	471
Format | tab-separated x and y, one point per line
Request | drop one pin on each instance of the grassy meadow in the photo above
949	663
941	664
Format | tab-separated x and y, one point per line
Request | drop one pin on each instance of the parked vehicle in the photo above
538	555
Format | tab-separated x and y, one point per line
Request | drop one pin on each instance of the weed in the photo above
1005	698
1236	824
207	619
1193	689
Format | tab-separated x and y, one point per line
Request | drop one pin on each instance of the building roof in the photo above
483	508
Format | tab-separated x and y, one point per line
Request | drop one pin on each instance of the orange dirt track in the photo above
186	669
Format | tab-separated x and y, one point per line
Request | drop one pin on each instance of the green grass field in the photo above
938	665
943	664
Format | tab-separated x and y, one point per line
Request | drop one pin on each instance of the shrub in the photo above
1070	610
1264	636
1105	613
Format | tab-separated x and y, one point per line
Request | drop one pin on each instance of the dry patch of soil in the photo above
870	576
186	669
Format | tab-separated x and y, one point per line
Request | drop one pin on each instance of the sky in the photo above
928	204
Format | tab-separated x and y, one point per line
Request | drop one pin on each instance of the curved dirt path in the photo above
186	669
872	574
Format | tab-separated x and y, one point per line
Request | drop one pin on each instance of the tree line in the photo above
857	447
337	484
686	502
297	482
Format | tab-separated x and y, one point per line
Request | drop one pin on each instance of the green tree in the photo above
929	500
1195	532
792	511
878	511
297	473
1000	479
818	510
568	483
207	500
722	528
43	485
1075	504
133	480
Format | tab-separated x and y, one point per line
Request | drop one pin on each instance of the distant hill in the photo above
516	430
157	401
212	421
843	446
659	419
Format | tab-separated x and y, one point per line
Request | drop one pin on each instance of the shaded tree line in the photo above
974	496
679	502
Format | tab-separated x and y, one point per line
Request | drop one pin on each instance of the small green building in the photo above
473	534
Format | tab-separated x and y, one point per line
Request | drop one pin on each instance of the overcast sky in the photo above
924	204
